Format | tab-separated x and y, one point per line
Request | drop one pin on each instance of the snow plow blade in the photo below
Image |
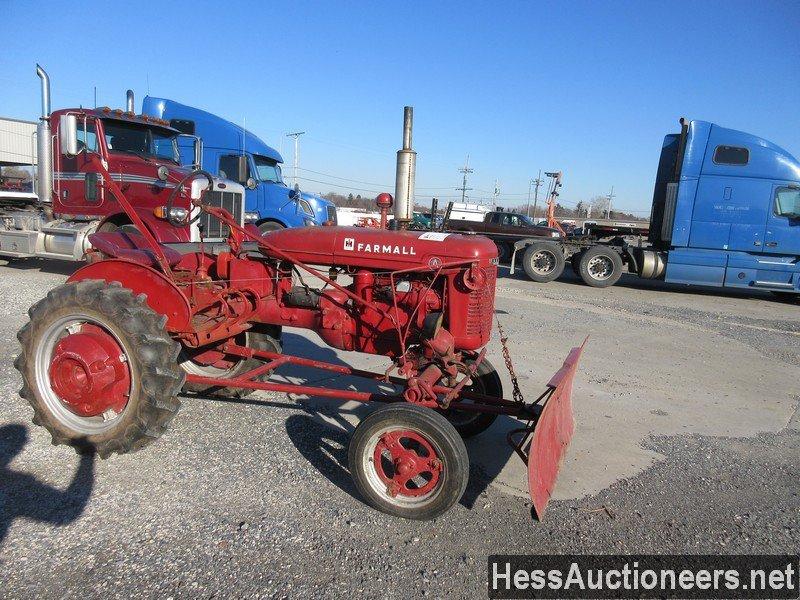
543	444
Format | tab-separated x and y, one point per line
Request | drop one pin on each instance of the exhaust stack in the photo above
129	101
44	160
406	173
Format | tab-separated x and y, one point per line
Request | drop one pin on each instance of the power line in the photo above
296	135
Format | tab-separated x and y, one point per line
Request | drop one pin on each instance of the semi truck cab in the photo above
77	149
233	152
726	210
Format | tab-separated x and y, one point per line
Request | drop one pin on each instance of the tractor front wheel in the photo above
408	461
486	381
98	368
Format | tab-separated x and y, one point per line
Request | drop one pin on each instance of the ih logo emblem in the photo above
349	243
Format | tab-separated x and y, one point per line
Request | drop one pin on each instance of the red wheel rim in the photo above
89	372
407	463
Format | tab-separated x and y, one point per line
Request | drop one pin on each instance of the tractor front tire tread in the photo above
152	350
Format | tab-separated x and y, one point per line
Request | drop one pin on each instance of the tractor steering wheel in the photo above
189	219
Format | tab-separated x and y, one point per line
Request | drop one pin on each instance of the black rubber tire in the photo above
255	340
504	251
151	354
575	261
268	226
487	382
438	432
554	250
602	251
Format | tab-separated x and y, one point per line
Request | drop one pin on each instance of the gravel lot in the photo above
688	441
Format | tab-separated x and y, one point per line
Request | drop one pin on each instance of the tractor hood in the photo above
379	248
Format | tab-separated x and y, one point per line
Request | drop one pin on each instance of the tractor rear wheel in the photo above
486	381
408	461
543	262
215	364
99	368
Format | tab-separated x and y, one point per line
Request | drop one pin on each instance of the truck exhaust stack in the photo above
129	101
44	160
406	172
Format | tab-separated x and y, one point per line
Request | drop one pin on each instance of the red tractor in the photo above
105	356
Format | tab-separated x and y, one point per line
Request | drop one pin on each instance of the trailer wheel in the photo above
600	266
98	368
487	382
543	262
408	461
218	366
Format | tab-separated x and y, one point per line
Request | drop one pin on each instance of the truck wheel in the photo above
98	368
504	251
487	382
600	266
543	262
214	364
268	226
408	461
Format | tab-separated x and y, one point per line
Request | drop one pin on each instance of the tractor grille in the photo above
480	308
230	201
332	214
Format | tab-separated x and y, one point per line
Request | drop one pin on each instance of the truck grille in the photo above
332	214
230	201
480	308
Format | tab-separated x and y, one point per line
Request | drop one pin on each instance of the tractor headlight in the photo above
251	217
306	207
178	214
309	222
555	234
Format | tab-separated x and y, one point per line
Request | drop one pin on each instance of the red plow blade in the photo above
545	441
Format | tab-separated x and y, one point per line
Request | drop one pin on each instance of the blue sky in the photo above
589	88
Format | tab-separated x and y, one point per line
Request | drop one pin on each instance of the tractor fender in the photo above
163	296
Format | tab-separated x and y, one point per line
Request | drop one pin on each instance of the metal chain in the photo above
517	394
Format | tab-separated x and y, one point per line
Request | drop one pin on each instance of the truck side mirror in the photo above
68	134
244	170
90	182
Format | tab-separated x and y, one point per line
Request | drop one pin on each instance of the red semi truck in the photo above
76	149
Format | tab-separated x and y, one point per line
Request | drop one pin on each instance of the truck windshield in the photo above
267	169
141	140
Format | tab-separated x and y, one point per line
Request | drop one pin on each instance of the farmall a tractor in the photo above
106	355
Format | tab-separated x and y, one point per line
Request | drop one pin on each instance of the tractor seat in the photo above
131	246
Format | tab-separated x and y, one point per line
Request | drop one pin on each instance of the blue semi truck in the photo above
235	153
725	213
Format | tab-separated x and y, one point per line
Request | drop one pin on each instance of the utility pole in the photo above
464	189
537	182
296	135
610	198
496	193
